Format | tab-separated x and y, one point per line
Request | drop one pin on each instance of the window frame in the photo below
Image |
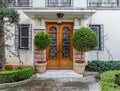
100	35
59	3
19	37
103	3
18	3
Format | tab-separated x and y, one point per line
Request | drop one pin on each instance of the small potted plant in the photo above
83	40
41	41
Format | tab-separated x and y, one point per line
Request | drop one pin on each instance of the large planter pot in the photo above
40	67
79	67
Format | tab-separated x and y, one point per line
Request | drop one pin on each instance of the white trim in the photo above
34	10
77	27
39	27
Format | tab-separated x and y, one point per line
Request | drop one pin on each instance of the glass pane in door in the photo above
53	44
66	42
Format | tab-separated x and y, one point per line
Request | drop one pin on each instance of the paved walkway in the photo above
59	80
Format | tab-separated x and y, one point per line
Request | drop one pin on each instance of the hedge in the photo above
16	75
102	66
108	81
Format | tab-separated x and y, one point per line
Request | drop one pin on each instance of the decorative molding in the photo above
39	27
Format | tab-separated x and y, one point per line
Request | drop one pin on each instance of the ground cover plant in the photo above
108	81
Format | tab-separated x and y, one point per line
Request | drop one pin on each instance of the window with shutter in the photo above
98	29
24	36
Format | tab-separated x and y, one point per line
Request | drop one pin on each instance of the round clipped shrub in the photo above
42	40
84	39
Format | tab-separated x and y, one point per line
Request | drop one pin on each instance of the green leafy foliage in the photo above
84	39
10	13
102	66
16	75
42	40
108	81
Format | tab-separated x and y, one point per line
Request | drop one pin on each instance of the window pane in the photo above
66	42
25	31
24	42
53	44
57	3
103	3
17	3
97	30
53	3
22	3
9	3
24	36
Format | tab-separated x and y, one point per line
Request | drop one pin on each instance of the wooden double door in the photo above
59	54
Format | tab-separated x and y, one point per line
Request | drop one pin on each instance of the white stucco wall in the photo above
111	21
25	55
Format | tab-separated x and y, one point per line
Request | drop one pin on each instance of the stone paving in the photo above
67	80
60	80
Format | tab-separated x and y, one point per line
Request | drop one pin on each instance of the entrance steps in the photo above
65	79
59	73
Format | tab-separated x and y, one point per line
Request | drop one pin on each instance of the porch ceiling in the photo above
52	13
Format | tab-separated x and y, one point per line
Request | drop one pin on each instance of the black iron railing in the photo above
17	4
103	4
59	3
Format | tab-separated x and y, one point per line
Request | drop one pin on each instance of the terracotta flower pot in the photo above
40	67
79	67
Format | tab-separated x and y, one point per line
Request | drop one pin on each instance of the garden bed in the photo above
15	84
108	81
16	75
102	66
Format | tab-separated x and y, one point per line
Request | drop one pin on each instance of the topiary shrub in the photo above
16	75
84	39
42	40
